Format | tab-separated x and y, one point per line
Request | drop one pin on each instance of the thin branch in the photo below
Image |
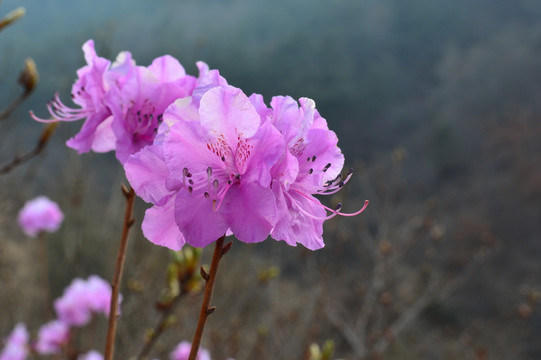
4	114
19	160
430	295
348	333
219	251
161	326
121	257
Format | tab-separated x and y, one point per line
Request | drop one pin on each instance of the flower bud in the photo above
12	16
29	76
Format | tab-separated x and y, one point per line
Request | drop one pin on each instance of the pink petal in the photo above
146	171
197	220
167	68
104	138
159	226
227	111
268	148
251	211
296	227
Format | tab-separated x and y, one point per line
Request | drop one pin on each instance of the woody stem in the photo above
206	310
121	256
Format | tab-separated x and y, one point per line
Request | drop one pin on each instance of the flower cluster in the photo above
225	163
122	103
80	300
210	159
40	214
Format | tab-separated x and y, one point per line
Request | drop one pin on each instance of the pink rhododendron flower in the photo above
122	103
311	166
16	347
51	337
81	299
91	355
40	214
182	352
213	164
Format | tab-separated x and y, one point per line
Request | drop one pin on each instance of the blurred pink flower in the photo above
40	214
16	347
51	337
82	298
91	355
182	352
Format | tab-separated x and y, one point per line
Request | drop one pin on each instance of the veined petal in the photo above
268	148
147	172
159	226
185	147
250	211
104	138
166	68
197	220
321	160
227	111
83	140
300	221
259	104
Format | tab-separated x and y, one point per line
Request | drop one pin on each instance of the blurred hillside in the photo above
453	85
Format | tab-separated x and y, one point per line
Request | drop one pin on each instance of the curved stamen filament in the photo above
61	112
306	213
328	208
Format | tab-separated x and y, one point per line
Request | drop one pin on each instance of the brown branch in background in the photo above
162	325
121	257
28	79
430	295
21	159
183	279
219	251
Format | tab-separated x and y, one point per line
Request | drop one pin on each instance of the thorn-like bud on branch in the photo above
12	17
125	190
210	310
204	274
226	248
46	134
29	76
130	222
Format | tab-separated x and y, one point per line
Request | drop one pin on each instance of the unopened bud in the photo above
29	76
11	17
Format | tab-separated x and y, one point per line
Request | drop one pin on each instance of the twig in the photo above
219	251
347	332
4	114
43	140
121	256
430	295
159	328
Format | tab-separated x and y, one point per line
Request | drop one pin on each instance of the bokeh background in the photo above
436	105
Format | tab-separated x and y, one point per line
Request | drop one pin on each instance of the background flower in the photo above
40	214
51	337
182	352
16	344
